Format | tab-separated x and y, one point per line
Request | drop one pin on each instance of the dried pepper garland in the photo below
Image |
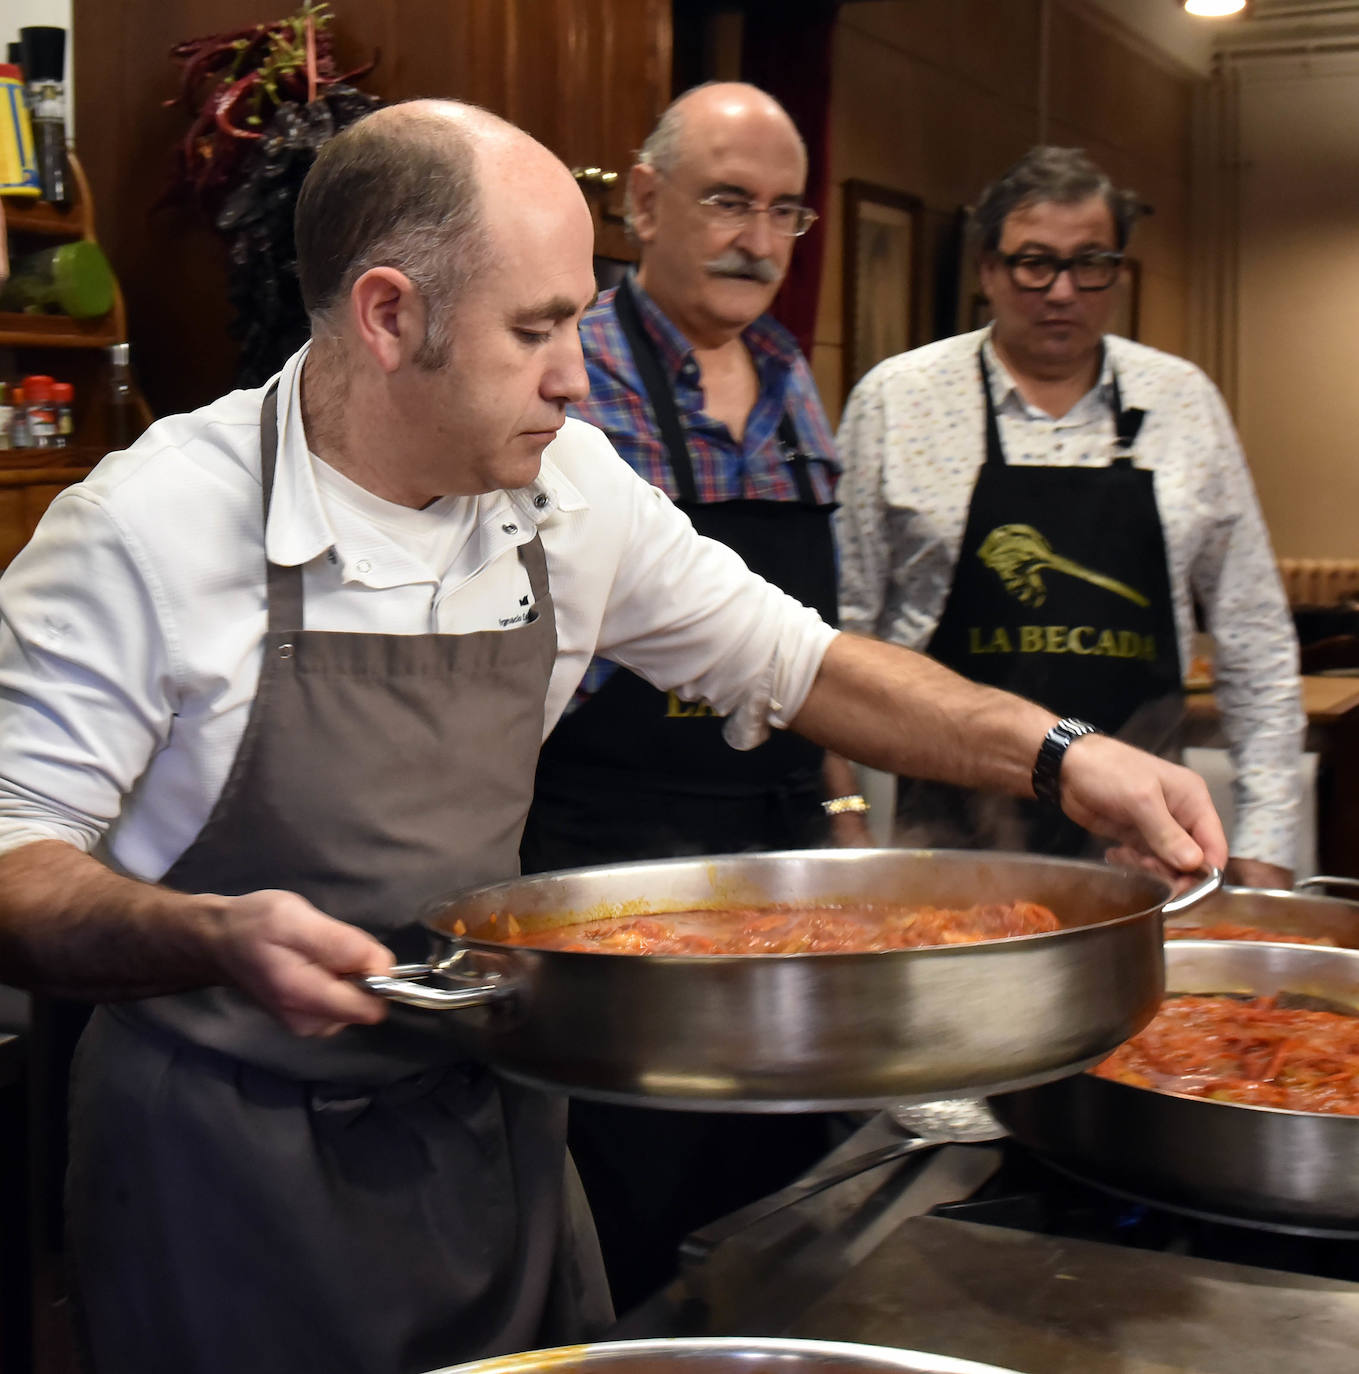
264	100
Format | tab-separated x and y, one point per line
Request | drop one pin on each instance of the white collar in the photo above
299	530
1004	387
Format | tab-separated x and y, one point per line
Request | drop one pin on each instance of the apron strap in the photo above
995	453
802	474
284	584
1127	423
662	397
534	561
659	393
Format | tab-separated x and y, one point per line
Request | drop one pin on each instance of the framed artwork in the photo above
881	266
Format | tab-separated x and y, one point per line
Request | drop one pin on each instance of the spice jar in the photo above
63	399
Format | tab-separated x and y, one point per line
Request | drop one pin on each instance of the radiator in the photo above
1319	581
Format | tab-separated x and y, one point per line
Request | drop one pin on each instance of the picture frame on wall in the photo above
882	248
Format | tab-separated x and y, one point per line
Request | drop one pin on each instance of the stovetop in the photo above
983	1252
1027	1194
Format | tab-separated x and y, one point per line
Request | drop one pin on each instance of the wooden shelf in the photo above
74	221
31	477
58	331
19	466
25	216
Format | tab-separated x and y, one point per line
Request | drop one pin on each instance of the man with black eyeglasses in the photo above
707	397
1043	505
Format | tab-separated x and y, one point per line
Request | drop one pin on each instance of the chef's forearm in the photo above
69	926
901	712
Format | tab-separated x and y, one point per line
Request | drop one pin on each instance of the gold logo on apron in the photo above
1081	640
1019	556
677	706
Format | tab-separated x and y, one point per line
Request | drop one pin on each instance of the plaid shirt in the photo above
756	468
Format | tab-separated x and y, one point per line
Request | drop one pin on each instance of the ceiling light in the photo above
1213	9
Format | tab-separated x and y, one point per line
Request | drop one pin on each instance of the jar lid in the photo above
63	393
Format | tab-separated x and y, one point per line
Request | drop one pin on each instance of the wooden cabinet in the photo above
74	351
586	77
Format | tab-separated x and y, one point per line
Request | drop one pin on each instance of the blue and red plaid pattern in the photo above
757	468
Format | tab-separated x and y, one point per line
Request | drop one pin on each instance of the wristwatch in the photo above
1047	770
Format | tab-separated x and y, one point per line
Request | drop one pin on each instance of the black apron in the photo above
241	1198
1061	594
637	773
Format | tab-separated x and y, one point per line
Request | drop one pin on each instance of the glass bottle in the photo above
63	398
122	412
19	436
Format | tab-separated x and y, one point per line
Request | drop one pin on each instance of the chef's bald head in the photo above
399	188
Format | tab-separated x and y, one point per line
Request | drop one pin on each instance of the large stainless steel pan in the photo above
1301	912
725	1355
1291	1171
806	1031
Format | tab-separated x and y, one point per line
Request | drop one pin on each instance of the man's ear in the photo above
388	315
987	270
643	185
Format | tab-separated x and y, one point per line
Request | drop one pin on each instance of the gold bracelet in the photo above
838	806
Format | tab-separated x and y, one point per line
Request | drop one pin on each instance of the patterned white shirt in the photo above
912	440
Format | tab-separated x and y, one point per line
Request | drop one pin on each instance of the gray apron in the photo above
244	1199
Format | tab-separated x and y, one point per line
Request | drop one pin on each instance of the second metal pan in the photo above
1285	1170
1300	912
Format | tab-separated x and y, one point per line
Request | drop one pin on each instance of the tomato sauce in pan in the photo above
1247	1051
848	929
1225	930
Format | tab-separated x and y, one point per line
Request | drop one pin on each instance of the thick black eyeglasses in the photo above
1030	271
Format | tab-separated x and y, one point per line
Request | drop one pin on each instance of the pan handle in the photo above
1205	887
1324	880
698	1245
401	984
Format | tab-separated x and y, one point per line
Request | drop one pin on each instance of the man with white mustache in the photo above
711	401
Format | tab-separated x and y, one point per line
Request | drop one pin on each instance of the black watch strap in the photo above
1047	770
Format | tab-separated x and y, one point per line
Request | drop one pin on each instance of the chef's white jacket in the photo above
131	625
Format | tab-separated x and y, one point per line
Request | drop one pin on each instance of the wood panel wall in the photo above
588	77
937	97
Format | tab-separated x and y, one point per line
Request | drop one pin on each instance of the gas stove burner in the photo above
1202	1214
1037	1195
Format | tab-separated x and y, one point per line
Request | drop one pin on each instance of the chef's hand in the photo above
297	962
1159	813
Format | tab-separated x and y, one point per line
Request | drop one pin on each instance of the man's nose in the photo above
756	236
567	379
1063	286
